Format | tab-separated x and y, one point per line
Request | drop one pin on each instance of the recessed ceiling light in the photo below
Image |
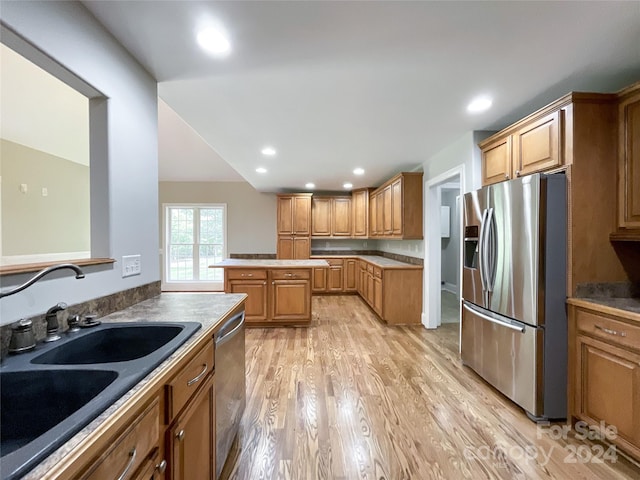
479	104
309	185
261	170
268	151
214	41
348	185
358	171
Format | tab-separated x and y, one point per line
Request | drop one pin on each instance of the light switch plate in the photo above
131	265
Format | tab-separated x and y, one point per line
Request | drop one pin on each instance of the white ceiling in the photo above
380	85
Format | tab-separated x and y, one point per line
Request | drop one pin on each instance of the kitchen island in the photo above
161	417
278	291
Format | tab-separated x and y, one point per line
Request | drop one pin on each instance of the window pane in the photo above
181	262
181	226
210	255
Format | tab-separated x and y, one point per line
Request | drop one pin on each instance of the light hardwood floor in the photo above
350	398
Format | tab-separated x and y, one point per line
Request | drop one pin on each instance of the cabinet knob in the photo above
517	173
161	467
506	175
180	435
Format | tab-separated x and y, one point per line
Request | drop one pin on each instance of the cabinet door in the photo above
377	295
496	161
291	300
380	213
256	303
335	278
285	248
360	213
373	215
321	216
629	165
387	220
302	215
350	275
301	248
362	280
536	146
319	280
285	215
341	217
191	440
607	383
396	207
370	289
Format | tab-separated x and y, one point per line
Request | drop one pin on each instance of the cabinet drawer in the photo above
377	272
188	379
294	274
246	273
612	331
131	449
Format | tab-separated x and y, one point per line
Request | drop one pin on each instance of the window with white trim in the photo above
195	238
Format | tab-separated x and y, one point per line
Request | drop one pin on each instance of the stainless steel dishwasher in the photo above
230	385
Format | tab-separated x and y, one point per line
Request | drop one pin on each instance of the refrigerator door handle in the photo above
481	252
516	327
490	253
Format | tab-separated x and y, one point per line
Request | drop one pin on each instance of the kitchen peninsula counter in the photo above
626	307
377	260
269	263
208	309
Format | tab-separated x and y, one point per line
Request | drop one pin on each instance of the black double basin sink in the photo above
52	392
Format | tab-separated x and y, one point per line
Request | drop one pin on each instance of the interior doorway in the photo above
443	250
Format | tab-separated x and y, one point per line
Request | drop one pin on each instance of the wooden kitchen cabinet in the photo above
331	217
275	295
350	275
398	208
629	164
335	275
294	226
191	439
253	282
362	279
319	280
132	450
536	145
604	374
291	295
496	160
360	212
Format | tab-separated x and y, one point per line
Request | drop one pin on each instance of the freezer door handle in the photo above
481	251
490	251
518	328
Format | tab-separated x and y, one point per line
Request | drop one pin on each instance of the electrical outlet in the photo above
131	265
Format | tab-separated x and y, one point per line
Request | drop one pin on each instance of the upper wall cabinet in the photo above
331	217
396	208
629	164
533	145
360	212
294	214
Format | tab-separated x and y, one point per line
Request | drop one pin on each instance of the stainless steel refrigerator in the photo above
514	322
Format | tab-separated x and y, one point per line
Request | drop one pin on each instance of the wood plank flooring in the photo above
350	398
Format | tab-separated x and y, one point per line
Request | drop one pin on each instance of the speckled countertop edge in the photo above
628	308
184	307
269	263
376	260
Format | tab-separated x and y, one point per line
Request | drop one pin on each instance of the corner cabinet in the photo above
396	208
629	165
294	226
604	374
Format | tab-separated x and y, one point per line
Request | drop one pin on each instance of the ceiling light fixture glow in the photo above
268	151
309	185
214	42
479	104
348	185
261	170
358	171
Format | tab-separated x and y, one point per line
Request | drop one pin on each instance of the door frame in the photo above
433	246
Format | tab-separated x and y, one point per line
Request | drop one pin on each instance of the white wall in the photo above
410	248
127	188
251	215
450	246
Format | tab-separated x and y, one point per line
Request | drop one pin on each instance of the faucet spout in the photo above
42	273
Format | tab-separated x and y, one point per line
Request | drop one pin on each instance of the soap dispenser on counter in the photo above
22	338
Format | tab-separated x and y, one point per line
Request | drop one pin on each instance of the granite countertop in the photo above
376	260
209	309
257	263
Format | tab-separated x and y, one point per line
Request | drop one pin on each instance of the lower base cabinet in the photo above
604	375
275	295
191	440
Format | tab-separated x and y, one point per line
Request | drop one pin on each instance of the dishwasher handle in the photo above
229	329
